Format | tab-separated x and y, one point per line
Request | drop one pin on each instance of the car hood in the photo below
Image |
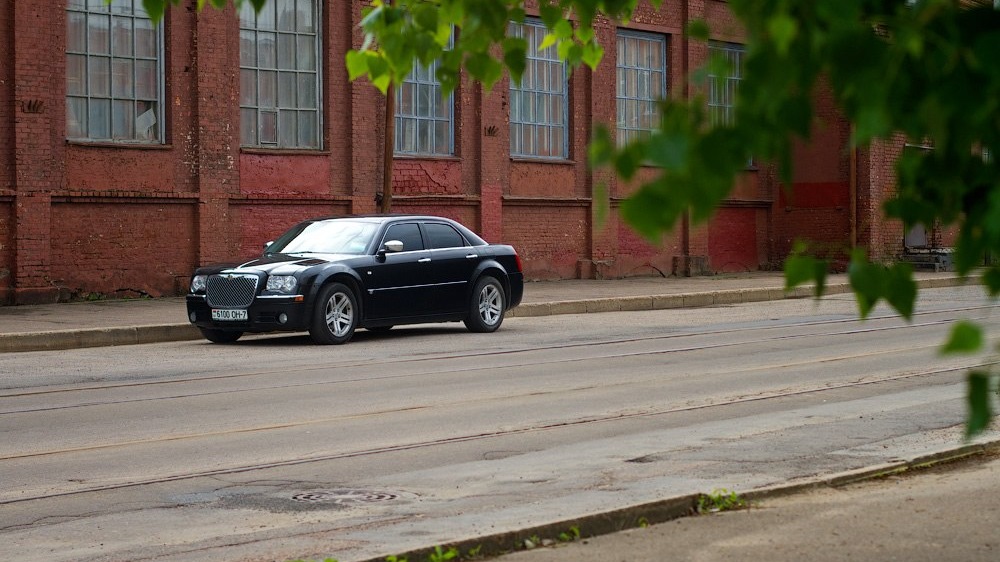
281	264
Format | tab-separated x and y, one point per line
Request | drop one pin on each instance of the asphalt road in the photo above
274	449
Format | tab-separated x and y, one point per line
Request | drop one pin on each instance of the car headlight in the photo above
198	283
282	283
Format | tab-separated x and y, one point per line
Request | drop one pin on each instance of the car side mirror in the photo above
390	247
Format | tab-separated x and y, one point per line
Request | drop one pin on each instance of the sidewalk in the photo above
125	322
932	514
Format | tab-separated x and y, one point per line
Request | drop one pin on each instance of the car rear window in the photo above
443	236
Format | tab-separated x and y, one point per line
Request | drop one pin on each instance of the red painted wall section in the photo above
549	239
98	169
732	241
465	214
123	250
263	221
542	179
426	177
640	257
263	174
816	208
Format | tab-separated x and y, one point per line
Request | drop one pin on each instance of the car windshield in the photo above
326	237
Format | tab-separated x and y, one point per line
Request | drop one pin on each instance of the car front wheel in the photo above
220	336
335	316
487	307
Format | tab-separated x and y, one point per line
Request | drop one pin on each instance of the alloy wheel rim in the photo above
339	314
490	304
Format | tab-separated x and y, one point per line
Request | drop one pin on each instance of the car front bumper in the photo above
265	314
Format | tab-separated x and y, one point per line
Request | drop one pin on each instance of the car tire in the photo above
487	306
220	336
335	315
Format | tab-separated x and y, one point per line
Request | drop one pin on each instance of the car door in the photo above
453	262
397	284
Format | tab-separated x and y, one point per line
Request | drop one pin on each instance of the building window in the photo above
279	75
114	69
642	83
424	117
539	104
722	88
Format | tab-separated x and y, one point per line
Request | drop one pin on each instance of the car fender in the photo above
486	267
329	272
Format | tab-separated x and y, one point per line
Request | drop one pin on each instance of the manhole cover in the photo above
342	497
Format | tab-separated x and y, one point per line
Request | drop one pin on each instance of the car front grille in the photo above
231	290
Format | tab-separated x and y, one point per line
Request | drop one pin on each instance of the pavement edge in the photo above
669	509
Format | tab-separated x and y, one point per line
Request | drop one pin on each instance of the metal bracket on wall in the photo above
32	106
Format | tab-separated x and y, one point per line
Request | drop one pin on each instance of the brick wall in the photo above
6	249
85	217
122	249
816	208
550	239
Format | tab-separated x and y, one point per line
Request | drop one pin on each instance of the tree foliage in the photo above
928	70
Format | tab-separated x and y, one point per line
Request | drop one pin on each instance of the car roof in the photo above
380	218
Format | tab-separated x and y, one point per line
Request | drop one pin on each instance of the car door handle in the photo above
424	260
471	256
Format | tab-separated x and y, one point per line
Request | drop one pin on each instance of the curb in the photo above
132	335
96	337
662	511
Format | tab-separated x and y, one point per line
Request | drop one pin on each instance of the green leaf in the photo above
357	64
980	411
991	278
515	51
484	68
801	269
698	30
900	290
155	9
866	281
783	30
592	55
965	337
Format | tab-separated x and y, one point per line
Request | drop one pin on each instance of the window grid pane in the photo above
424	117
722	89
114	73
279	76
642	83
539	104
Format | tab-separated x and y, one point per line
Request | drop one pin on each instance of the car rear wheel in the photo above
220	336
488	305
335	316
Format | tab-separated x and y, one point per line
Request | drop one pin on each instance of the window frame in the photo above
278	111
661	41
721	98
545	60
108	11
419	78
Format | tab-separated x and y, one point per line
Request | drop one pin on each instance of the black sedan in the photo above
331	276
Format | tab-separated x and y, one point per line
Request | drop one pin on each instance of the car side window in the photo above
443	236
407	233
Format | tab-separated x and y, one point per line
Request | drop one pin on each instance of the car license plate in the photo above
229	315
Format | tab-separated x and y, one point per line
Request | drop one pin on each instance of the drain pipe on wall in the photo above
853	189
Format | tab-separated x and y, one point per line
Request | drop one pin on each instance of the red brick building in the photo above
131	154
